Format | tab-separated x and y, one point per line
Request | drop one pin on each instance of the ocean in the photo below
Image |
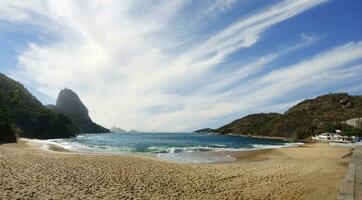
179	147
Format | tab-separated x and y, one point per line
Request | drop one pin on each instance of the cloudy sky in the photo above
180	65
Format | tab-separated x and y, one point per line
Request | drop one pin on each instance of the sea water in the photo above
180	147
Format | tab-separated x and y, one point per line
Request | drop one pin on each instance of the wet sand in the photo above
313	171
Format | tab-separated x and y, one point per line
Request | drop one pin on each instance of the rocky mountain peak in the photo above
70	103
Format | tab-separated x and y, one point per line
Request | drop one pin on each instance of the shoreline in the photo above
207	157
310	171
256	136
265	137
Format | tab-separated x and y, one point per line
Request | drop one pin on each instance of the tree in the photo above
23	111
15	96
7	128
2	95
53	125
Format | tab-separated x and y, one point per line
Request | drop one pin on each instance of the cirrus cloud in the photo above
129	61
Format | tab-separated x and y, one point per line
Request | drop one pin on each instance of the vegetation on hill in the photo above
7	128
309	117
19	109
255	124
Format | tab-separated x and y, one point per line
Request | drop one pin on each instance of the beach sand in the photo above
313	171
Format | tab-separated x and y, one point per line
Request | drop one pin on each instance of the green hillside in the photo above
309	117
20	109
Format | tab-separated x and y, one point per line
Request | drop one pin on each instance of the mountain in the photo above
21	112
117	130
255	124
69	104
133	131
309	117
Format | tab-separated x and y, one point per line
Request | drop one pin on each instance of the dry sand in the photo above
312	171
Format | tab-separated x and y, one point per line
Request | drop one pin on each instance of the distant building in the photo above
323	136
332	137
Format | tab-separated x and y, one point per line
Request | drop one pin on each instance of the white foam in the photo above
189	155
195	158
195	154
77	147
258	146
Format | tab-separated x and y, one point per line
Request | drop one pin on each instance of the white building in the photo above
339	138
323	136
332	137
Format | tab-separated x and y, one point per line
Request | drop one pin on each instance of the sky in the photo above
181	65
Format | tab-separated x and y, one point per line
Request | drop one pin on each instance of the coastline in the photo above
227	155
310	171
263	137
237	155
255	136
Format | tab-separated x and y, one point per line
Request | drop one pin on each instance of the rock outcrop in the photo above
355	122
69	104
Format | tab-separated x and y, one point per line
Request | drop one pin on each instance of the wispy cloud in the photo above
323	68
125	59
328	68
220	6
256	66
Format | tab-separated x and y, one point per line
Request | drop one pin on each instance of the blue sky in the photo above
184	64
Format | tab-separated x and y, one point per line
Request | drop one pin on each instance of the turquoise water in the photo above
183	147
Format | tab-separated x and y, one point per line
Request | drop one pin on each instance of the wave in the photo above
81	147
197	154
196	158
176	152
164	149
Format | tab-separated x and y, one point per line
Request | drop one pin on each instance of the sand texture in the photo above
308	172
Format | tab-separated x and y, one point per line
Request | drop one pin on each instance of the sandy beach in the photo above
312	171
